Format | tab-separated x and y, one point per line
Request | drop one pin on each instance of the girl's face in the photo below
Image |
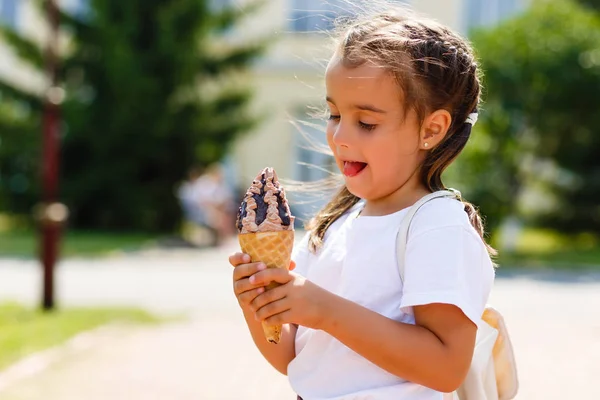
374	142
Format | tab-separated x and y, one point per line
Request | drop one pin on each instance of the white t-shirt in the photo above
446	262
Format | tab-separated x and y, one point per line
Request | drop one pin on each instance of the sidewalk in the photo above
553	319
210	356
200	360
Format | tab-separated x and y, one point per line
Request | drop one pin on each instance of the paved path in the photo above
553	318
204	359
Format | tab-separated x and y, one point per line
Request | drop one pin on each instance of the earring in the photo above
426	144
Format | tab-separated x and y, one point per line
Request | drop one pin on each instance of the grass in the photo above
24	331
537	248
24	243
548	249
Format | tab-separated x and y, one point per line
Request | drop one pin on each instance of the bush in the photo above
540	117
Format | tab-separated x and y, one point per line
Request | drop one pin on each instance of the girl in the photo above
402	94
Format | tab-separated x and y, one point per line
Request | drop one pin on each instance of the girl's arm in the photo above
436	352
278	355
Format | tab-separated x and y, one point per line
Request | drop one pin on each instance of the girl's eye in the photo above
368	127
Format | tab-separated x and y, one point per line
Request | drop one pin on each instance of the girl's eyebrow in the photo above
364	107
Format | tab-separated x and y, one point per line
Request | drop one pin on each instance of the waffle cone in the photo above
275	250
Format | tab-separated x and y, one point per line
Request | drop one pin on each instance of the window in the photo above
489	12
319	15
308	160
221	4
78	8
314	15
9	12
309	165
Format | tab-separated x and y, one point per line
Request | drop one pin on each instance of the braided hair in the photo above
435	69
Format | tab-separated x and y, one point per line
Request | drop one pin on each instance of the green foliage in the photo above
24	243
594	4
19	156
538	248
540	119
146	100
487	171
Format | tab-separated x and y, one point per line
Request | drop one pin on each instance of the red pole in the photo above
52	214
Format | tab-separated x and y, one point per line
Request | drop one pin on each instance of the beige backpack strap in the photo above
402	235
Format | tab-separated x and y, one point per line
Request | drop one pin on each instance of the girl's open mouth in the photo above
353	168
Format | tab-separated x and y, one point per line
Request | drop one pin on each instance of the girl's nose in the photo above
341	136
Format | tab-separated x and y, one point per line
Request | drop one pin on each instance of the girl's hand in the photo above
244	290
296	301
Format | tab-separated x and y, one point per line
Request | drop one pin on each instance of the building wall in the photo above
290	79
287	81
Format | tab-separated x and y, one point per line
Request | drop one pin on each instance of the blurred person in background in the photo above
207	201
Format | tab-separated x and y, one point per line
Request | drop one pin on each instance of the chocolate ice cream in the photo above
265	207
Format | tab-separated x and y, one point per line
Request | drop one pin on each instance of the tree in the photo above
487	172
542	77
594	4
147	98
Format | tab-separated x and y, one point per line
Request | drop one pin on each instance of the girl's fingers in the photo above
240	286
243	285
248	296
239	258
272	309
268	297
266	276
246	270
280	319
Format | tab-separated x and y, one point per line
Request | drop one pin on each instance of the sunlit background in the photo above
130	129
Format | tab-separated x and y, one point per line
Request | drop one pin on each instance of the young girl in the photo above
402	94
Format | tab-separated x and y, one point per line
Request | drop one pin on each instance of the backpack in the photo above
492	374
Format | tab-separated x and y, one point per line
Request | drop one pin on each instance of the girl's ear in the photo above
434	129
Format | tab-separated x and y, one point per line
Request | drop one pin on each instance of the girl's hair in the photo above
435	69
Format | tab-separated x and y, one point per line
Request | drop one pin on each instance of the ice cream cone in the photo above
275	250
265	227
